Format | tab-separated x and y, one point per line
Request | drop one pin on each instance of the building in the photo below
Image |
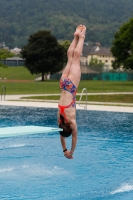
16	50
12	62
103	55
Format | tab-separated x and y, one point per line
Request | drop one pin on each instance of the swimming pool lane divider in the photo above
26	130
3	92
84	90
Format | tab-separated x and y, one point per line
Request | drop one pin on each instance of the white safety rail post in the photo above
84	90
3	92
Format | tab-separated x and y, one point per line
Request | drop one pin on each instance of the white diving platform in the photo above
26	130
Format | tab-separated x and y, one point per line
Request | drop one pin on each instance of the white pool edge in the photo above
55	105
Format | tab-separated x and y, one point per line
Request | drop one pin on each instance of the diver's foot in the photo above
78	30
83	32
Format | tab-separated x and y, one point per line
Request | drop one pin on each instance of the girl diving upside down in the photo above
68	84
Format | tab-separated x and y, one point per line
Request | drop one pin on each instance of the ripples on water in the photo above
33	167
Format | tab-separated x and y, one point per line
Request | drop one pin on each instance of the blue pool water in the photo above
33	166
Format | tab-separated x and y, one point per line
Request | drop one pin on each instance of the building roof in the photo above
86	50
14	58
101	51
95	50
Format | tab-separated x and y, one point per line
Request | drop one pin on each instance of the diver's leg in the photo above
70	52
75	71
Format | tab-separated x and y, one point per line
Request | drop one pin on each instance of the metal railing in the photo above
85	106
3	92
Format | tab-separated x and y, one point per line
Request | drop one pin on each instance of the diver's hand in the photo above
68	154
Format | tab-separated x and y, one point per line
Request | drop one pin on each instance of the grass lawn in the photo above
47	87
119	98
106	86
16	73
52	87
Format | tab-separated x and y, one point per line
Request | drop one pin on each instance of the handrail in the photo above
85	106
3	92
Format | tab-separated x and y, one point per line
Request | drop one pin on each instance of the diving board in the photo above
25	130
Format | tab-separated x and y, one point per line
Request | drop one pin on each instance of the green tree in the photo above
66	45
122	47
4	53
94	62
43	54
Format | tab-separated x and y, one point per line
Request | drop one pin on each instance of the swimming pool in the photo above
33	166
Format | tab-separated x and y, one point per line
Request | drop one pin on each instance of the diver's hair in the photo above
67	131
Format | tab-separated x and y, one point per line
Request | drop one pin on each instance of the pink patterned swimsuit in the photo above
66	84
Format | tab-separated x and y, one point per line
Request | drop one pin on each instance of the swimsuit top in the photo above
66	84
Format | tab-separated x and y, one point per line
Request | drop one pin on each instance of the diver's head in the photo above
67	131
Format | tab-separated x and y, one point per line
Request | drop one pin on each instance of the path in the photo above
14	100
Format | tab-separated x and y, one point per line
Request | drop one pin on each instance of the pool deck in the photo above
14	100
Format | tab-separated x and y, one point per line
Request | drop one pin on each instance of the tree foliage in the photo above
96	64
102	19
4	53
122	47
66	45
43	54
